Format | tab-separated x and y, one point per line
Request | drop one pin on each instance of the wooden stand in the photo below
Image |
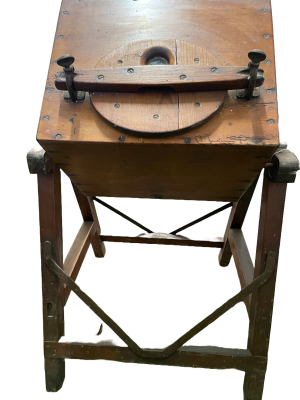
257	282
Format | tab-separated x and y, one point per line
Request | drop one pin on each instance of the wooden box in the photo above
216	160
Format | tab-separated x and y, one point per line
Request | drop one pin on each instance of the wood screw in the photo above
65	13
267	62
130	70
100	77
117	105
58	136
197	104
155	116
271	121
120	62
182	77
266	35
196	60
214	69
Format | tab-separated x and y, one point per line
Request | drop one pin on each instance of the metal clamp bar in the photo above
166	352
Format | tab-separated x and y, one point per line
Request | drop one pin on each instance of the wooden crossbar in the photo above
215	242
186	356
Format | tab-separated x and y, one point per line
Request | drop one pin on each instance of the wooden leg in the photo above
88	211
270	223
55	373
235	221
254	385
53	289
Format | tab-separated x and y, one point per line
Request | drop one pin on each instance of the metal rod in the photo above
201	219
121	214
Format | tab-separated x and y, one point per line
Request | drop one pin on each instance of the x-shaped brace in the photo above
166	352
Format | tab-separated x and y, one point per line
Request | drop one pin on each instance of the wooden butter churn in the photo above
182	108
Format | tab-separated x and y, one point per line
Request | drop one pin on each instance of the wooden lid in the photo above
160	112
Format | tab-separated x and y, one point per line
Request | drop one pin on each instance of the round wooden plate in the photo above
161	112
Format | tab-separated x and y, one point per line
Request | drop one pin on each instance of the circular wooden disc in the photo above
157	113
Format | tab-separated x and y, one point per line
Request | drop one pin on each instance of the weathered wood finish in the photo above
269	233
235	221
253	361
186	356
78	252
175	111
160	171
125	165
219	160
53	289
242	260
119	80
88	211
216	243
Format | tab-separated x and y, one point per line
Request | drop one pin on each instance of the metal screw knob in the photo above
65	61
257	56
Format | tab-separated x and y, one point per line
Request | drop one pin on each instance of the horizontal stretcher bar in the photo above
215	242
186	356
180	78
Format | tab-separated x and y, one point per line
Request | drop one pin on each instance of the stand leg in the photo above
235	221
88	211
270	223
53	289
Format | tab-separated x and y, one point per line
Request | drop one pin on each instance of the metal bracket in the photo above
284	169
242	93
256	57
66	62
271	261
39	161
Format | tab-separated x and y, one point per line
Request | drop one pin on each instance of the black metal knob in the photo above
257	56
65	61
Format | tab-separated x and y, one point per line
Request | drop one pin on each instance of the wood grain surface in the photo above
158	112
231	147
182	78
